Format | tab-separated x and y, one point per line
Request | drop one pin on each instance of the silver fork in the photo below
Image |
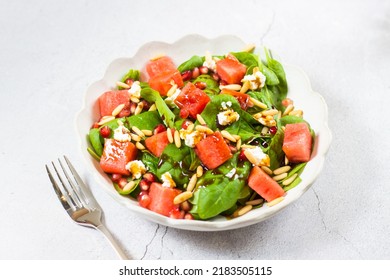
78	201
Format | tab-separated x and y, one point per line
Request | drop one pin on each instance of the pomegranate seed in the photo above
125	111
185	124
188	216
184	113
264	144
144	199
176	213
203	70
122	182
145	104
95	125
144	185
159	128
242	156
273	130
186	75
105	131
116	177
223	83
215	76
195	72
149	177
201	85
129	82
233	149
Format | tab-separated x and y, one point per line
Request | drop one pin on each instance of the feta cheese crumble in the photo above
256	80
191	138
225	105
135	90
122	134
136	168
227	117
170	100
256	156
231	173
167	180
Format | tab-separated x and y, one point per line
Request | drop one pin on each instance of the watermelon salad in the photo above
214	135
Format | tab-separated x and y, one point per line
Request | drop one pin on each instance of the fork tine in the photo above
74	190
80	183
65	190
62	195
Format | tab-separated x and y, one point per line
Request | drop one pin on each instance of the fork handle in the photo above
112	241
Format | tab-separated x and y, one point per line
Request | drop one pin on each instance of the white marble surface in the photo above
50	51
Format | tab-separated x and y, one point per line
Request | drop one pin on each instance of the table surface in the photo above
51	51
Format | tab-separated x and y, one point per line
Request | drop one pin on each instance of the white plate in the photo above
313	105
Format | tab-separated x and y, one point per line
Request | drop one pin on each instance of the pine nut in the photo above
282	169
249	48
129	186
289	180
169	135
245	87
228	136
289	108
286	161
135	137
254	202
200	119
204	129
266	169
235	87
264	130
138	131
257	103
139	108
139	146
147	132
177	139
247	146
280	176
238	145
182	197
106	119
153	107
250	157
123	85
297	113
157	56
270	112
244	210
190	128
192	183
199	171
275	201
172	90
134	99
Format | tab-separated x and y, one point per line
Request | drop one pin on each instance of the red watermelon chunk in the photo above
192	99
109	100
231	70
157	143
213	150
164	81
297	142
264	185
160	65
116	155
161	199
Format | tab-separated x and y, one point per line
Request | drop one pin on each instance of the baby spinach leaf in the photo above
166	114
271	77
150	161
96	141
194	61
146	120
216	198
293	184
247	58
131	74
275	151
212	86
243	129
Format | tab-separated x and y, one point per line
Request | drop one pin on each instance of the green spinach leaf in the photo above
194	61
146	120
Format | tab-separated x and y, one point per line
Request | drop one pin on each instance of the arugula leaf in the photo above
146	120
194	61
166	114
